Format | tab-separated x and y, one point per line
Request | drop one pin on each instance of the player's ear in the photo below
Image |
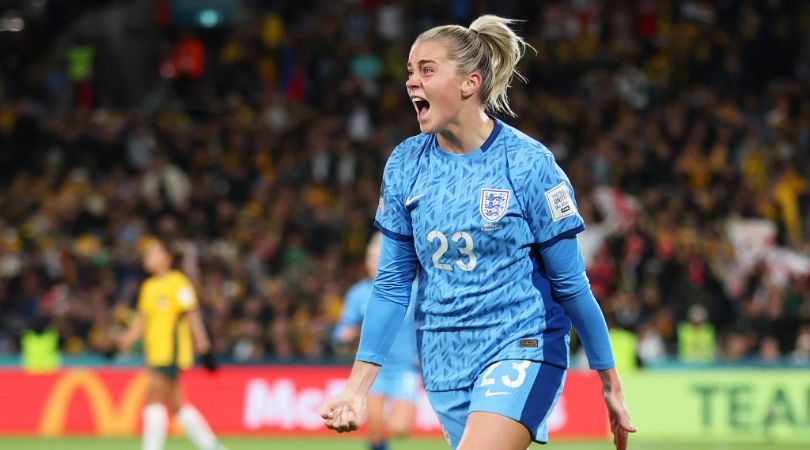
470	84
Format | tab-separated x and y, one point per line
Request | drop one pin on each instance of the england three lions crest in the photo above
494	203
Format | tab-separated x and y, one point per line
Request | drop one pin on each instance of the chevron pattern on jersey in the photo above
480	288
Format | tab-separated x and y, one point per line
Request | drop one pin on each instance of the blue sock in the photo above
380	446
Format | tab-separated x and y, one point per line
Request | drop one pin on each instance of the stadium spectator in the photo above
696	341
724	136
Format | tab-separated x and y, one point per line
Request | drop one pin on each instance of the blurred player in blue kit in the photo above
392	398
489	222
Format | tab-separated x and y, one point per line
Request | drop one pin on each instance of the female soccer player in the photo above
490	219
170	322
392	398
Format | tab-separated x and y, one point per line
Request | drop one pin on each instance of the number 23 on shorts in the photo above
525	391
503	375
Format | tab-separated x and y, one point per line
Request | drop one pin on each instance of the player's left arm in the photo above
202	344
189	307
565	267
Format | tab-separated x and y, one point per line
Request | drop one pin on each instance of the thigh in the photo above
401	417
375	405
488	431
523	391
160	387
451	408
176	396
375	408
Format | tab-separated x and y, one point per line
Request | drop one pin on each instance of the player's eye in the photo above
427	70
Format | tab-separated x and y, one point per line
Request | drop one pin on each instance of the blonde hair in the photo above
490	47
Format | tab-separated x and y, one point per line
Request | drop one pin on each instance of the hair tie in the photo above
474	31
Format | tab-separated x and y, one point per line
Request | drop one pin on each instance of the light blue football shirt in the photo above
402	354
478	221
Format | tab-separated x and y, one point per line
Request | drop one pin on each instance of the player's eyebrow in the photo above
422	62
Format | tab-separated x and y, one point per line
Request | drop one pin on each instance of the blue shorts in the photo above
397	384
525	391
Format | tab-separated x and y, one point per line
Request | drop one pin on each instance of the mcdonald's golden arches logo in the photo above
111	419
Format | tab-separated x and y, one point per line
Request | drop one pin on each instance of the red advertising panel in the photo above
235	400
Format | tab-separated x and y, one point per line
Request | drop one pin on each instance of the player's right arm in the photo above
136	327
390	296
386	309
133	333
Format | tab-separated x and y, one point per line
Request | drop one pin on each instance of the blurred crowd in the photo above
258	147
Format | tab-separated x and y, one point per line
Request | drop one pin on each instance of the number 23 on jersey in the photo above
466	259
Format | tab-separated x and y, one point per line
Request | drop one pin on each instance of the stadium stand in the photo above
255	141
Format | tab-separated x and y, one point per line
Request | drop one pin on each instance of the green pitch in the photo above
341	443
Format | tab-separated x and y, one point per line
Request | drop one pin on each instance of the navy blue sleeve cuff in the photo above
391	234
564	235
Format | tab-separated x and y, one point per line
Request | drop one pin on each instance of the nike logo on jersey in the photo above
410	201
489	393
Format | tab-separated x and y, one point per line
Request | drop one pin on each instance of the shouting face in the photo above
434	85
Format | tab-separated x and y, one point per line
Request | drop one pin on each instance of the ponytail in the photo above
490	47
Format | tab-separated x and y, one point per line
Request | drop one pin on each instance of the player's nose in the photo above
411	83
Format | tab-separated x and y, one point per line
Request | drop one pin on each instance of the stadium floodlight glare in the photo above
208	18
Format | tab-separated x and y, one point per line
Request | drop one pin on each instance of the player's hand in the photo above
620	424
344	412
209	361
349	335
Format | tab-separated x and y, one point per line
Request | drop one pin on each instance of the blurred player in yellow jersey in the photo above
170	322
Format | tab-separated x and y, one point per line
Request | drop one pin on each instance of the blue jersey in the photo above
478	222
402	354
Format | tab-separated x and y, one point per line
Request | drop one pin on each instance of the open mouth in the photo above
422	106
